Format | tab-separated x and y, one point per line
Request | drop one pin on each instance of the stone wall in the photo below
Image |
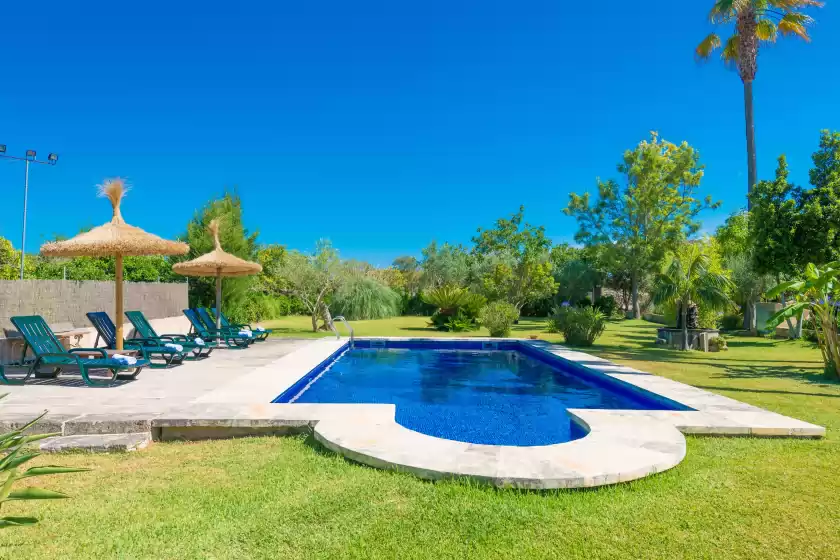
62	301
63	304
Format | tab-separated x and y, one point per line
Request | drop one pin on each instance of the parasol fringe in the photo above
114	190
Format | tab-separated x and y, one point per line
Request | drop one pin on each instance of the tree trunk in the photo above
596	292
684	313
326	315
747	309
637	312
315	320
752	171
746	26
753	319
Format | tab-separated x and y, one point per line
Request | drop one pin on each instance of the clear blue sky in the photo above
380	125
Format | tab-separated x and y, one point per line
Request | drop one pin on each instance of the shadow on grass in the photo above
768	391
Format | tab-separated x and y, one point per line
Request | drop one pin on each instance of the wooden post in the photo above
118	319
218	303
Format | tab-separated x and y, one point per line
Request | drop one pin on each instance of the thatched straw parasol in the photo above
217	263
115	238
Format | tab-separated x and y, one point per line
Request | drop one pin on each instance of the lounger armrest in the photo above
86	350
143	341
176	337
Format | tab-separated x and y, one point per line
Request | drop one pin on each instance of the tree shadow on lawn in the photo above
768	391
810	373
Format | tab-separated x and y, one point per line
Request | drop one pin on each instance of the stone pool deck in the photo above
229	394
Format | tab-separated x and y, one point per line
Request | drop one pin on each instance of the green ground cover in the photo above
287	498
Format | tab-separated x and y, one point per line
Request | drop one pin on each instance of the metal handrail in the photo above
349	328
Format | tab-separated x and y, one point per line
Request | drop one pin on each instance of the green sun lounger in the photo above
259	335
231	338
198	348
50	355
151	349
209	322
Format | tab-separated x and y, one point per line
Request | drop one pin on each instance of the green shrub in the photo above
461	322
718	344
13	454
498	318
580	326
365	298
607	305
731	322
457	308
583	302
260	307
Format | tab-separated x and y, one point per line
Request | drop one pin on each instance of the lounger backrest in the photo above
105	327
195	322
221	316
141	324
205	317
38	335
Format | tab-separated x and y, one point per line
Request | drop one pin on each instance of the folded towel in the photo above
176	347
123	359
246	332
260	329
199	341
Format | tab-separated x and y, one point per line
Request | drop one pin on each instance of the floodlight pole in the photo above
29	158
23	237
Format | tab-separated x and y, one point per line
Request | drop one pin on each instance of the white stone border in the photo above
621	445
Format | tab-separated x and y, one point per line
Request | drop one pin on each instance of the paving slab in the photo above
99	443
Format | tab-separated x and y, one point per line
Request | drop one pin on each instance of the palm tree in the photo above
688	279
756	22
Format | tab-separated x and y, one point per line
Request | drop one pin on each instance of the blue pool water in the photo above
501	397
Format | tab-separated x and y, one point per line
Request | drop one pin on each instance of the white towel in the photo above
123	359
246	332
176	347
260	329
199	341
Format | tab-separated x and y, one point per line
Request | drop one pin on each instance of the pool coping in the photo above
621	445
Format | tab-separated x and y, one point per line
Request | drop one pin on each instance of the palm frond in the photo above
766	30
729	54
795	4
724	11
794	23
707	46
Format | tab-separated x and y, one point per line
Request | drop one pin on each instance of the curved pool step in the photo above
617	449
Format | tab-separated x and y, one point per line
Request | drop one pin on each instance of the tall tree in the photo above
313	278
756	22
518	254
446	265
650	214
737	249
235	240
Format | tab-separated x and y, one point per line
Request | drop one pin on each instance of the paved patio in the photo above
153	393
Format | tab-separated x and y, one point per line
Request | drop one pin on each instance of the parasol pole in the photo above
118	321
218	302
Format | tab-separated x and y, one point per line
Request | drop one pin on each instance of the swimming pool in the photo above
497	393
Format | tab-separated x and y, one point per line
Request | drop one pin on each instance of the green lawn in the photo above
287	498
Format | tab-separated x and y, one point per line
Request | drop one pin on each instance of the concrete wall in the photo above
63	305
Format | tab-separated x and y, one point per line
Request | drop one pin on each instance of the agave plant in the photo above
15	453
815	292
